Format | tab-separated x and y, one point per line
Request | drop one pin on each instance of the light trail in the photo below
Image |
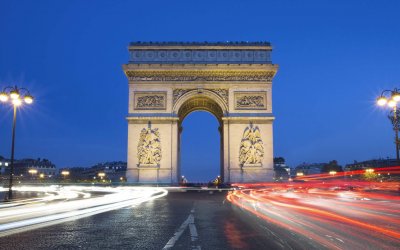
333	214
66	203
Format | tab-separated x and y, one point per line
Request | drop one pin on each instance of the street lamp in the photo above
32	172
17	96
390	98
65	173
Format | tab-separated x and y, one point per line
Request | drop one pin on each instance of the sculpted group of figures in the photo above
251	147
149	148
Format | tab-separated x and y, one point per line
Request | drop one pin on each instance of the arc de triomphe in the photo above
167	81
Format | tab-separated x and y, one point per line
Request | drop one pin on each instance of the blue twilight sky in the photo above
334	56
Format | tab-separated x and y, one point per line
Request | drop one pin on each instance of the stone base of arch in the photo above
168	169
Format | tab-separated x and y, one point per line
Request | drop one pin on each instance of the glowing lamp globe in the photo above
28	99
3	97
381	101
391	103
396	96
14	94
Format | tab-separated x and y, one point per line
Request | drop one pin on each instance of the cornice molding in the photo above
197	75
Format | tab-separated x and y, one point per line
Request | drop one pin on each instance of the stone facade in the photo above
167	81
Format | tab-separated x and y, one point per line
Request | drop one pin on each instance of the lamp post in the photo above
390	98
17	96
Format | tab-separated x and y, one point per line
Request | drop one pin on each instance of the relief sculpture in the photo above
155	101
150	100
149	147
250	101
191	75
251	147
223	93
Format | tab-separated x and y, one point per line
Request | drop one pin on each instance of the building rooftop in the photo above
227	43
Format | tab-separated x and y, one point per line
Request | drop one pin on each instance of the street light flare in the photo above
381	101
64	172
17	102
391	103
3	97
14	94
28	99
396	96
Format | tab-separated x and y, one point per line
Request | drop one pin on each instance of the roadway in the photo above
180	220
274	216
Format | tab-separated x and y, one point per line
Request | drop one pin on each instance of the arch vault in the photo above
167	81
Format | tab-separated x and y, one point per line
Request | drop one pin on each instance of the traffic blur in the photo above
58	204
326	211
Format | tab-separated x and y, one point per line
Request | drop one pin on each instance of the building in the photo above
34	168
282	171
114	171
4	163
309	168
375	163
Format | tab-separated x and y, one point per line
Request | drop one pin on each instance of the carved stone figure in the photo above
223	93
179	92
149	147
251	146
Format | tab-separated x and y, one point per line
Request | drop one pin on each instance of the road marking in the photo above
193	233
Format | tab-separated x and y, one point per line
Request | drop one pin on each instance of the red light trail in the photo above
330	212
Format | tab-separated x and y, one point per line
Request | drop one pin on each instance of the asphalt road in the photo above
191	220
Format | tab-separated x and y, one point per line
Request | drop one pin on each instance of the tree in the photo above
331	166
279	160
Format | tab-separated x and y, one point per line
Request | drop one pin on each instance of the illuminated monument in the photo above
232	81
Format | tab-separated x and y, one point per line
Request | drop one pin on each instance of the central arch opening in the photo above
200	140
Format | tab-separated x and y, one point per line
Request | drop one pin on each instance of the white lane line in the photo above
193	232
178	233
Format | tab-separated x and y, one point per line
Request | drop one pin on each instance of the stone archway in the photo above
198	101
168	81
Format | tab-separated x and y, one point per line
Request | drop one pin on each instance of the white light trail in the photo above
61	204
